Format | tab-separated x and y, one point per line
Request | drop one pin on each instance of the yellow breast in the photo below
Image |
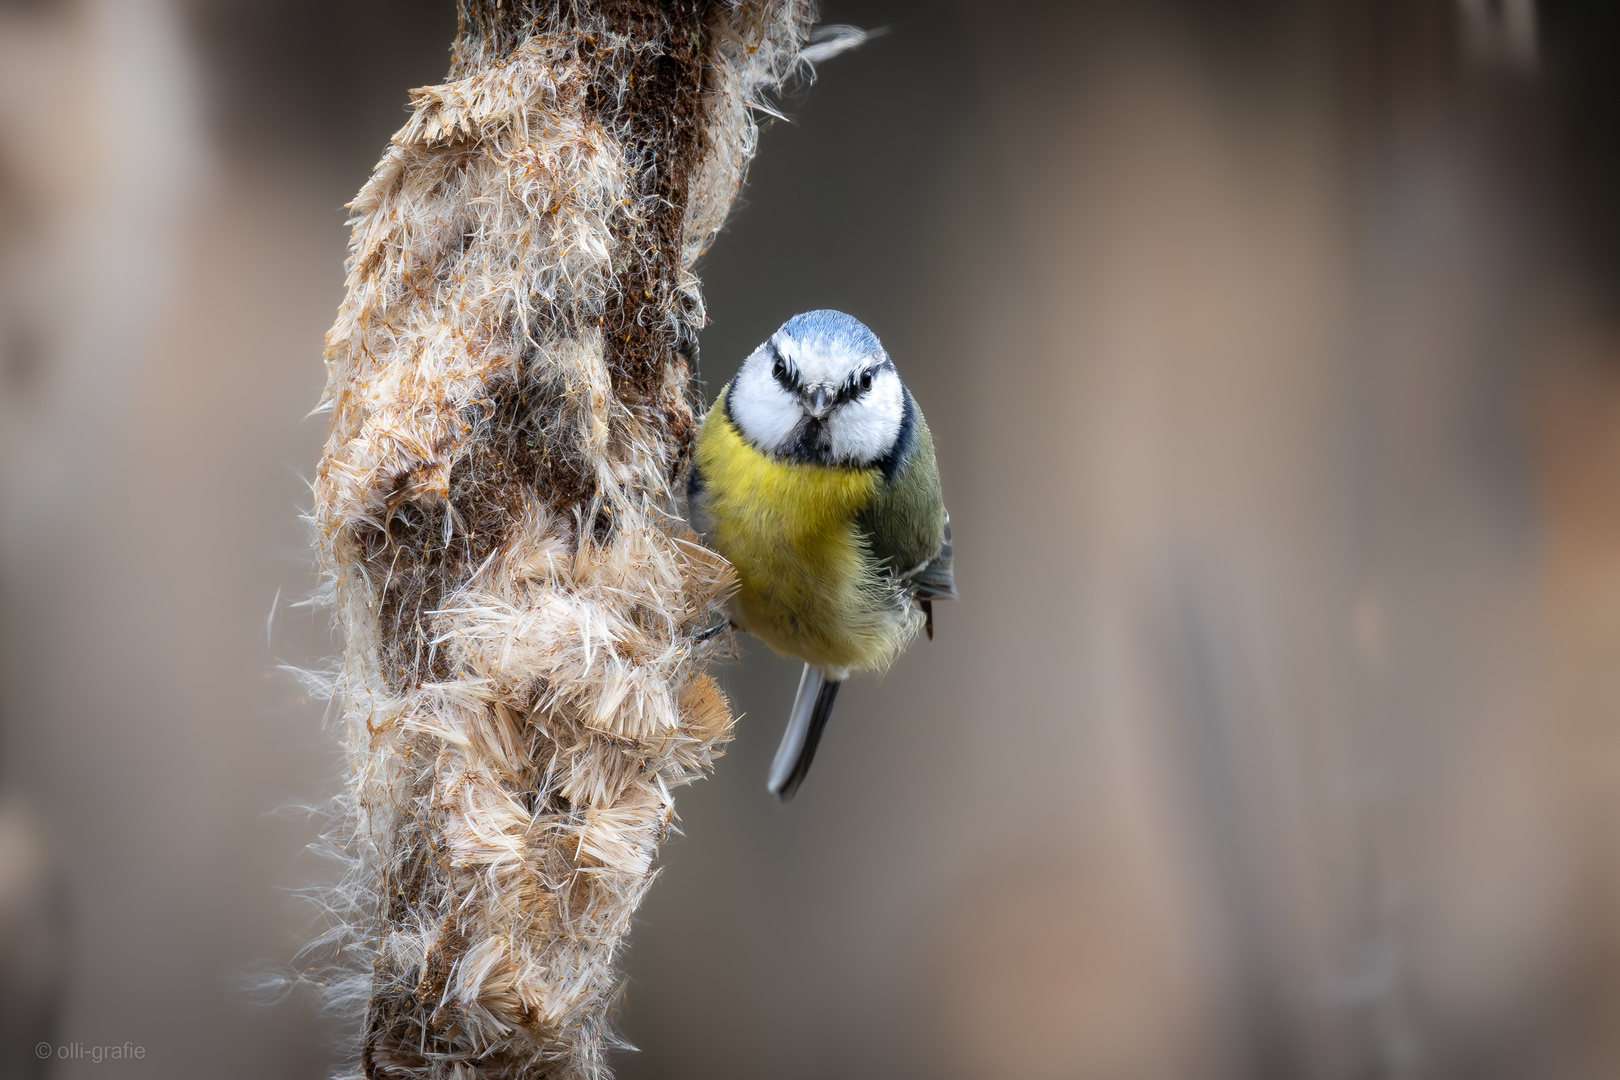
806	585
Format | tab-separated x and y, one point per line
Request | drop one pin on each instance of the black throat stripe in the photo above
892	462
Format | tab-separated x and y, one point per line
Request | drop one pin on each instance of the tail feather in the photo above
811	707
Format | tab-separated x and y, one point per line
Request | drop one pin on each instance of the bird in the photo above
814	475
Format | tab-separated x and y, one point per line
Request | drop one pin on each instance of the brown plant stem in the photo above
523	672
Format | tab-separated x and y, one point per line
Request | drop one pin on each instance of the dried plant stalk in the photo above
522	681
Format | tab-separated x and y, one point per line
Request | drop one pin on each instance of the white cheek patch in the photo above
864	431
765	413
858	432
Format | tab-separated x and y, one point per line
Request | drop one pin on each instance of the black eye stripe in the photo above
782	371
861	381
788	377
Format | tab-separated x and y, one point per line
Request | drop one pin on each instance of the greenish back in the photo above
905	522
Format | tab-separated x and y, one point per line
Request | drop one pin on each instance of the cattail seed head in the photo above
523	681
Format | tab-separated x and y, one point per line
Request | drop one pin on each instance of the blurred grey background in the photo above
1273	353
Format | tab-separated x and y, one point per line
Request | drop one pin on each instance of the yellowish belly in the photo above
806	586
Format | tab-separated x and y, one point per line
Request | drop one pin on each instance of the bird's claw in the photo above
708	633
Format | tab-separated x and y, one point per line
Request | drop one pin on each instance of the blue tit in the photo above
814	474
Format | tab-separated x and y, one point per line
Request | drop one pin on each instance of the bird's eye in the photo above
779	370
866	380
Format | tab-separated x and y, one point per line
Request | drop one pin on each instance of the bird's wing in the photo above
934	580
906	527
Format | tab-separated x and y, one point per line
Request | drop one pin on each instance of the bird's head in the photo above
820	389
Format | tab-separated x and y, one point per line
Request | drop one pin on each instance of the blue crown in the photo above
834	327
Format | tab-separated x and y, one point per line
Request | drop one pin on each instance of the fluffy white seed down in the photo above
503	814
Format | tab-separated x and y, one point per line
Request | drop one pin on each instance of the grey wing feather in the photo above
934	580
